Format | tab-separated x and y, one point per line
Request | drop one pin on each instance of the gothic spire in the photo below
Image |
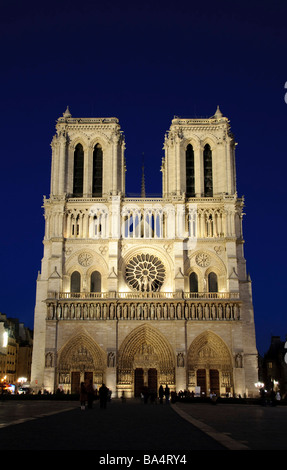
67	113
218	113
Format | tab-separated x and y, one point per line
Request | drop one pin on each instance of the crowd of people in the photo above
88	394
151	395
271	398
163	395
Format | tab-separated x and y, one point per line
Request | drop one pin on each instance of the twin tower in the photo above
88	158
139	292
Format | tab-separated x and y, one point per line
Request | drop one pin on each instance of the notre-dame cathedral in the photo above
140	291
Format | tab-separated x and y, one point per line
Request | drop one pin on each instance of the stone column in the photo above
88	171
62	158
198	170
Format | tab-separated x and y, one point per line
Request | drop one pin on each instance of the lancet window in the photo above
75	226
97	183
78	171
212	282
193	282
96	281
87	223
210	222
189	159
207	165
98	220
75	282
142	223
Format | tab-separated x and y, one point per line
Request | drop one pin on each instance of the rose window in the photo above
145	273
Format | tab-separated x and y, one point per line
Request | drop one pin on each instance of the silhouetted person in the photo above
83	396
103	393
166	392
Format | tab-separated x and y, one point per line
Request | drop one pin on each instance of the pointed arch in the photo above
146	335
208	348
81	352
210	364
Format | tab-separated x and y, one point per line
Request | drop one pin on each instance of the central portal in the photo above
145	380
145	360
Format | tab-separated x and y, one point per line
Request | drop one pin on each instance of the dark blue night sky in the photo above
144	63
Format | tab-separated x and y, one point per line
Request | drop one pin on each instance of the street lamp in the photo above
259	385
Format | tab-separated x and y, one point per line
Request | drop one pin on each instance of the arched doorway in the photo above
80	360
209	365
146	360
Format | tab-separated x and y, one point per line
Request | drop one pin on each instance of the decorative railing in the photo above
148	295
144	306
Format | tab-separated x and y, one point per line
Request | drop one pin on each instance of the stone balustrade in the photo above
147	295
103	308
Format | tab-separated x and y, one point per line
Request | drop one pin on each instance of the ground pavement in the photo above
133	425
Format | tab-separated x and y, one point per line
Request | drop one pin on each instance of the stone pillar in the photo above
111	380
88	171
62	161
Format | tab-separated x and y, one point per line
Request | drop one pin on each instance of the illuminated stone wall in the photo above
173	301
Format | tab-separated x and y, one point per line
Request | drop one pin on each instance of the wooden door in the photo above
88	377
152	380
214	381
139	381
75	382
201	380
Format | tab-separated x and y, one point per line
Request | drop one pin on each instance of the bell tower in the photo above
199	158
87	157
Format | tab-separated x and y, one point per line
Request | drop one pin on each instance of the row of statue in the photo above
143	311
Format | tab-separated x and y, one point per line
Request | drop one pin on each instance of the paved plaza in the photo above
133	425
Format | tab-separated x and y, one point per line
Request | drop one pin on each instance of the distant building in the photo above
142	291
16	345
273	370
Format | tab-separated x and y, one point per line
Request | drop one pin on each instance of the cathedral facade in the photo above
138	292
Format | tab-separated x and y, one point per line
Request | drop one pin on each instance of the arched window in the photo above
78	171
76	282
212	282
193	282
96	282
207	165
97	184
189	165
